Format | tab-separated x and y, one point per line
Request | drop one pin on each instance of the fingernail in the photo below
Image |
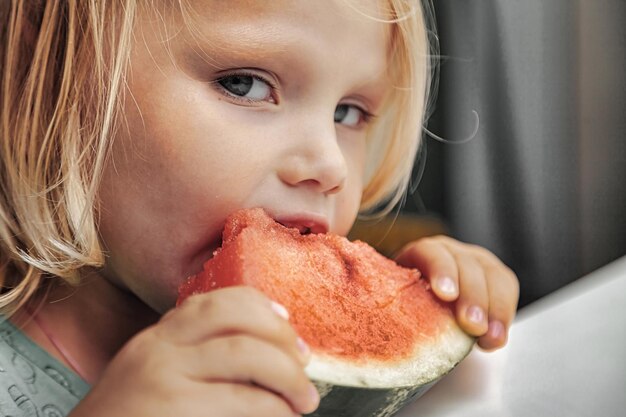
280	310
447	286
496	329
303	347
476	315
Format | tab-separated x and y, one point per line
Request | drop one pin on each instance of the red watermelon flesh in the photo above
355	308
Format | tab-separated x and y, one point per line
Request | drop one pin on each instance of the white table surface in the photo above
566	356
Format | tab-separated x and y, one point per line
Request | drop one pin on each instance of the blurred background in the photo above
543	182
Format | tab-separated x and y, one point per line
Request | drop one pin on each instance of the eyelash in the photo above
366	116
216	84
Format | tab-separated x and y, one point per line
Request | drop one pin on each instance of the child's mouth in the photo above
304	226
304	230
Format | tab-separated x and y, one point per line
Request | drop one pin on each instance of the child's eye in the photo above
249	87
351	115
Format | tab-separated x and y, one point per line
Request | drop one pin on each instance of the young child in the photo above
131	129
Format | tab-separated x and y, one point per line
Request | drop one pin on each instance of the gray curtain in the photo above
543	183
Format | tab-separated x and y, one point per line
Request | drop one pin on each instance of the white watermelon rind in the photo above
377	389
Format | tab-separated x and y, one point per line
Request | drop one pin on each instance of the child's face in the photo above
264	107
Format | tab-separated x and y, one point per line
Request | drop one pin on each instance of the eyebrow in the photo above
250	44
263	43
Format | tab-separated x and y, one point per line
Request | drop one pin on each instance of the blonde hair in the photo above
396	136
62	68
59	95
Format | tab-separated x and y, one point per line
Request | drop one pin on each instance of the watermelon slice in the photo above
378	335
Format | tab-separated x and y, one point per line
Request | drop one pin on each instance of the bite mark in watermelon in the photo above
378	334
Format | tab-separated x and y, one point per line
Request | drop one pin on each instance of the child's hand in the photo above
486	290
229	352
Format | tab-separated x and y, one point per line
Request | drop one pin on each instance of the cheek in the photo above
348	203
356	158
349	199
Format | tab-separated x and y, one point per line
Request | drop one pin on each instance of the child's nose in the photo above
318	163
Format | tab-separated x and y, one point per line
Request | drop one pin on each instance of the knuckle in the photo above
284	363
467	258
250	293
487	255
428	242
237	345
260	402
222	298
418	246
511	275
247	400
216	304
139	346
196	305
513	281
296	385
444	239
169	315
145	353
192	301
285	337
505	276
472	249
293	372
285	329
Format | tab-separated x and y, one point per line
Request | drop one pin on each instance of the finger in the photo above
248	401
503	289
473	303
234	310
248	360
455	245
436	263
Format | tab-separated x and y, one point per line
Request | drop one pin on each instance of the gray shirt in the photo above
32	382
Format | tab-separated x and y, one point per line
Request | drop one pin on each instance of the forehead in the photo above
333	30
241	8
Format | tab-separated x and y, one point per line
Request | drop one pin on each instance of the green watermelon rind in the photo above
361	395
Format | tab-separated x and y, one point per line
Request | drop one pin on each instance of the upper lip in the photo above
305	222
